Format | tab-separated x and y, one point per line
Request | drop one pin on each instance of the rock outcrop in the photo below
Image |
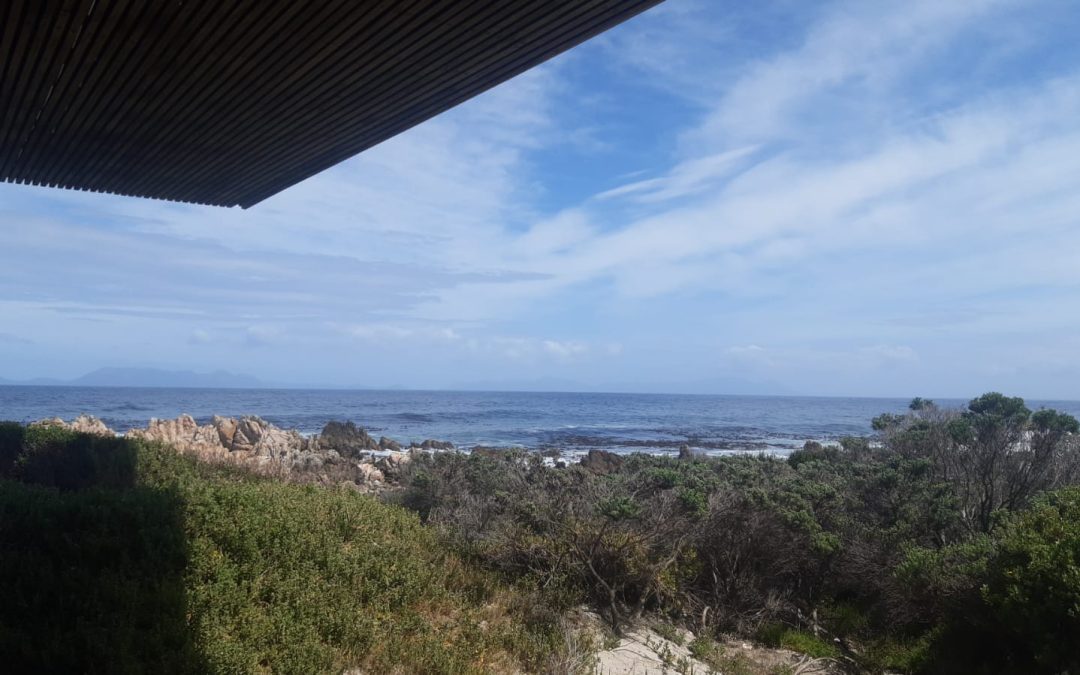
602	461
84	424
392	464
369	474
389	444
183	433
347	439
342	453
248	439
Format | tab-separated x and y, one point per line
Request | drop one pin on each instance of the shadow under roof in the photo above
228	102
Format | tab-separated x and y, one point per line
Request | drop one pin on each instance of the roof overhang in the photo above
228	102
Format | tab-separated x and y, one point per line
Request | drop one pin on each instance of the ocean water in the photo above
572	422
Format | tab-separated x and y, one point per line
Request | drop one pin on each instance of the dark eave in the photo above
228	102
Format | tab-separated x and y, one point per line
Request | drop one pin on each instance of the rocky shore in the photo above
340	453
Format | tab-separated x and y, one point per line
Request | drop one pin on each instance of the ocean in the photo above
571	422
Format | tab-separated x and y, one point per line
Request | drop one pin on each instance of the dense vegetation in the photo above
950	543
123	557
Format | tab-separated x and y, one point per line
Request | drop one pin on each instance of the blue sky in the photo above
843	198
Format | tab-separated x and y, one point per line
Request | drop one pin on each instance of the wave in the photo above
127	407
413	417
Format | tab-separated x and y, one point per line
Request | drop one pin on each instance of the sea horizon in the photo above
571	422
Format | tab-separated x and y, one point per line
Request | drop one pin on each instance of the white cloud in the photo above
867	46
502	346
834	195
693	176
564	350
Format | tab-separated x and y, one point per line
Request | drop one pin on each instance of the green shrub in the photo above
1033	583
11	442
704	648
60	458
191	568
669	632
93	581
804	642
891	654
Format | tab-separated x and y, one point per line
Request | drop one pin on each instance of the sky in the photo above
834	198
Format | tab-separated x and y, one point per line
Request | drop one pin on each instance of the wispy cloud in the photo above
848	197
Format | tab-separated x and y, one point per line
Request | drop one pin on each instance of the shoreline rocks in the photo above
347	439
83	424
342	453
602	461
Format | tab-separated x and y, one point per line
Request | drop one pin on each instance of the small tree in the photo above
1034	582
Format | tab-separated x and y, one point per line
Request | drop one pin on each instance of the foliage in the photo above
994	455
804	642
884	542
135	559
949	541
1033	583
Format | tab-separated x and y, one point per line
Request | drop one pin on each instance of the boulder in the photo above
253	441
250	437
392	464
431	444
88	424
369	473
346	438
685	452
602	461
226	428
83	424
277	443
183	433
253	436
389	444
249	431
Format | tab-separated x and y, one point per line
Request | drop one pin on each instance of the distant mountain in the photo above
151	377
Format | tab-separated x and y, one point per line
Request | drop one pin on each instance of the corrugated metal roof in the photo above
228	102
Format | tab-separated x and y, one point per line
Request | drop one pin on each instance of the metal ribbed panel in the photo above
228	102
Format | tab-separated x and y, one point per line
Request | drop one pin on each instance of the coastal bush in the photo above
183	567
11	440
946	542
884	542
804	642
995	455
1033	582
67	460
